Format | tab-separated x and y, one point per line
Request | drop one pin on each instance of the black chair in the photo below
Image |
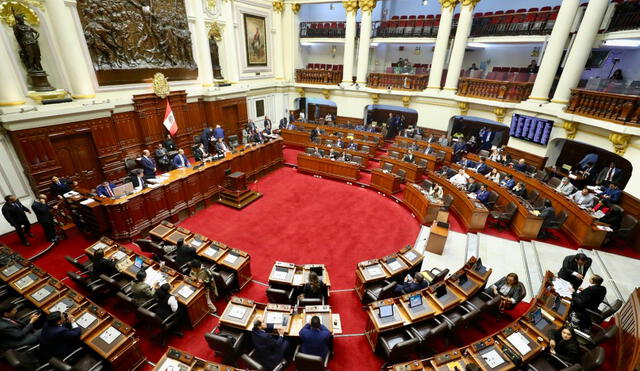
380	290
542	175
627	227
197	139
130	164
483	302
227	343
590	360
557	223
397	346
484	153
554	182
308	362
247	361
233	141
422	163
280	295
149	246
436	275
394	154
309	150
303	302
78	360
25	359
402	174
459	319
359	160
387	166
503	216
366	149
532	196
166	326
81	266
491	201
428	330
226	281
598	337
94	288
599	316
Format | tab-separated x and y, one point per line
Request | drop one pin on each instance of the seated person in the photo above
101	265
472	186
315	338
180	160
483	195
137	179
436	191
508	182
565	187
184	253
611	193
428	150
16	333
460	179
564	345
221	147
589	298
200	152
410	284
60	336
315	133
270	349
414	146
494	176
574	268
547	214
521	166
141	292
166	304
334	155
495	155
583	198
443	141
466	163
481	167
603	206
610	174
315	288
510	289
353	146
520	190
339	143
408	157
105	189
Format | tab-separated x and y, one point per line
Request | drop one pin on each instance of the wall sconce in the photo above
417	51
333	51
535	52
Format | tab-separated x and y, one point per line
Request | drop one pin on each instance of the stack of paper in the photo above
86	320
280	275
519	342
237	312
185	291
493	358
87	201
230	258
110	335
374	270
395	265
274	317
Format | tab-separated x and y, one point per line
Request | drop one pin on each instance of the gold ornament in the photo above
211	5
620	142
367	5
21	7
500	112
216	31
375	98
464	108
326	93
295	8
351	6
448	3
406	100
160	85
278	6
471	3
571	129
300	92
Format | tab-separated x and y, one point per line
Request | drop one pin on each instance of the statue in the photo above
27	39
215	59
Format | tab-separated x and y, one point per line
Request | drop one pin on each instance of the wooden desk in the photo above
413	171
387	183
292	275
423	207
422	144
358	134
430	159
300	138
329	168
472	213
179	360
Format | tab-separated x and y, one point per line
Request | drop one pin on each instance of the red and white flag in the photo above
170	120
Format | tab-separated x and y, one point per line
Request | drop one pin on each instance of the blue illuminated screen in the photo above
529	128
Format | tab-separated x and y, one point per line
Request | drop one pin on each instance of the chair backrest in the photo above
233	140
493	197
303	302
554	182
150	316
130	163
511	209
358	159
387	291
404	349
628	223
562	217
276	295
308	362
533	195
402	173
394	154
427	184
145	245
605	335
448	200
219	343
484	153
251	363
612	309
440	276
387	166
309	150
593	359
366	148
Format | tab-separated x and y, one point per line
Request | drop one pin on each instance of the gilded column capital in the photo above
367	5
278	6
351	6
23	7
326	93
300	92
464	108
500	112
406	101
375	98
471	3
295	8
446	4
620	142
215	31
570	128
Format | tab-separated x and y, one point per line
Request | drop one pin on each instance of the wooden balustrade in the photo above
318	76
397	81
618	108
507	91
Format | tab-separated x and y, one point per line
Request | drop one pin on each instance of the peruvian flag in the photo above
170	120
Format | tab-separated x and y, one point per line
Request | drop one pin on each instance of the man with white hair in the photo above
565	187
460	179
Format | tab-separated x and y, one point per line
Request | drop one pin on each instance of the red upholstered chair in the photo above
403	17
436	27
428	25
408	28
309	66
504	22
395	17
422	16
417	29
341	29
333	30
548	26
412	17
400	28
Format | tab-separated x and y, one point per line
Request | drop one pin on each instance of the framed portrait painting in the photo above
255	35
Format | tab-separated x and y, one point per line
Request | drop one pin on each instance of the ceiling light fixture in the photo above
631	43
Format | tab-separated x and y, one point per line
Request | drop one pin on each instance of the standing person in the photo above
59	337
162	158
60	186
269	349
267	125
574	268
315	338
148	165
206	138
14	212
283	123
45	217
610	174
547	214
218	132
533	66
181	160
169	143
202	275
588	299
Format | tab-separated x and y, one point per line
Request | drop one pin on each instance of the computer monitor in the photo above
317	270
441	291
282	269
462	279
123	190
138	261
415	301
536	316
478	267
385	311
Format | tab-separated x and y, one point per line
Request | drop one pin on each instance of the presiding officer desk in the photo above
525	224
526	337
241	313
303	139
431	304
214	252
190	293
392	267
177	194
423	206
296	276
580	225
179	360
472	213
348	171
112	339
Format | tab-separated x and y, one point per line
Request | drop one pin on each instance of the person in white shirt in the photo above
494	175
460	179
565	187
584	198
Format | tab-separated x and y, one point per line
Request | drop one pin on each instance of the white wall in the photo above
321	53
629	62
500	55
12	181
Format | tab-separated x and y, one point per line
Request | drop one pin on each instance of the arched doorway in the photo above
315	109
379	114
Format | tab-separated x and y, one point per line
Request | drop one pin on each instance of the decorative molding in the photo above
326	93
210	5
500	112
295	8
620	142
471	3
24	7
161	85
215	30
445	4
464	108
300	92
278	6
367	5
406	100
375	98
571	129
351	6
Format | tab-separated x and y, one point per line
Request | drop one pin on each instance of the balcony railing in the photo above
318	76
397	81
522	22
618	108
507	91
325	29
625	17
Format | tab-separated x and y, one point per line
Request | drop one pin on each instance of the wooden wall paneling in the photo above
381	115
121	223
231	114
192	189
140	217
628	337
572	152
37	157
324	109
77	155
531	159
345	119
128	134
176	199
156	206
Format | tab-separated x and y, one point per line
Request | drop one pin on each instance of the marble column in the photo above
553	52
580	50
228	46
10	91
460	43
291	39
442	42
351	7
365	40
205	70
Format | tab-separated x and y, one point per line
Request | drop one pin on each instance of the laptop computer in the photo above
538	320
415	301
385	311
479	268
441	291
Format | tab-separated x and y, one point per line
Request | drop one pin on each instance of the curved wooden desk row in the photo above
188	292
180	360
535	338
358	134
524	224
364	163
448	151
292	275
431	304
413	171
241	313
384	181
302	139
580	225
111	338
423	207
472	213
391	266
431	159
181	192
214	251
348	171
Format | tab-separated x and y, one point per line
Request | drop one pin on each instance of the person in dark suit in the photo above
267	124
45	217
564	345
574	267
521	166
184	253
589	298
410	284
283	123
15	333
137	179
483	194
314	133
520	190
315	338
482	167
105	189
181	160
162	157
510	290
472	186
610	174
169	143
218	132
547	214
206	138
508	182
612	193
14	212
221	147
167	304
148	164
459	149
101	265
200	152
588	173
270	349
315	288
408	157
466	163
60	186
59	337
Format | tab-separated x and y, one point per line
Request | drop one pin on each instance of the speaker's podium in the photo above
235	192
